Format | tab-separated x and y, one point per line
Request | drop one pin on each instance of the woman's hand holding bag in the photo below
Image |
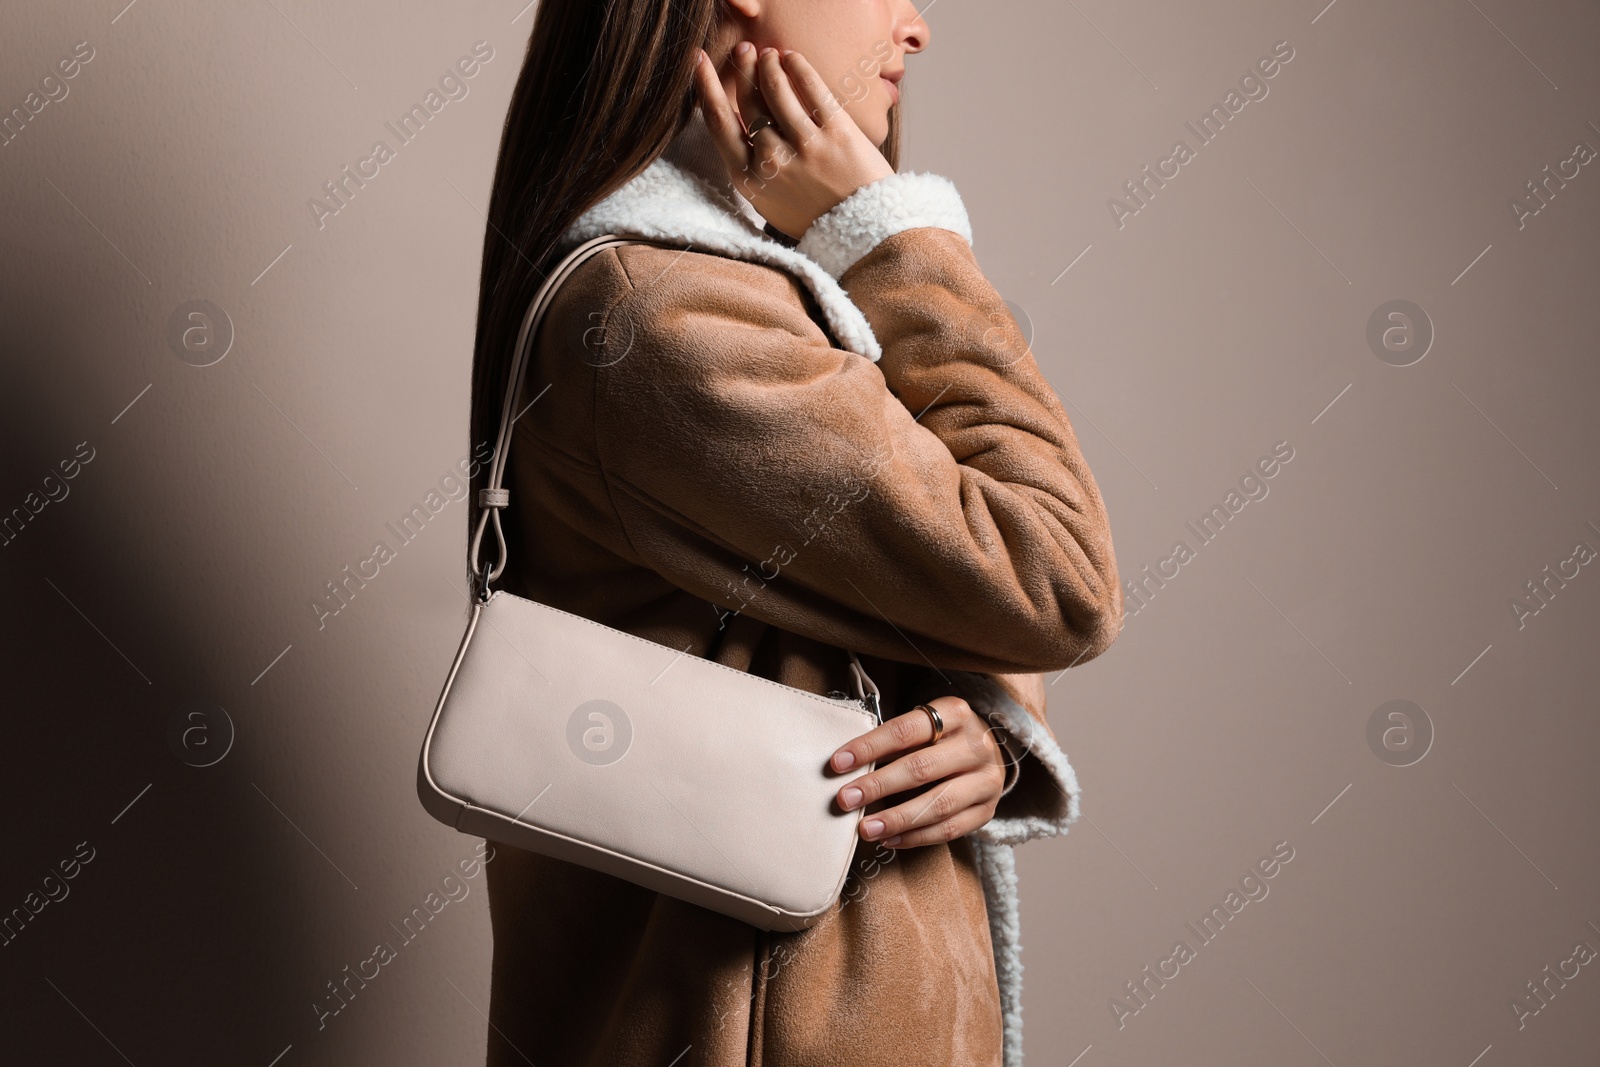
965	767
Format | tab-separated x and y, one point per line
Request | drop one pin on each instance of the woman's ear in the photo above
748	8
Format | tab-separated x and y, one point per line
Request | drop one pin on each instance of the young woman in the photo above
810	427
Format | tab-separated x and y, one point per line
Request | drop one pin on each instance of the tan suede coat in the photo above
706	467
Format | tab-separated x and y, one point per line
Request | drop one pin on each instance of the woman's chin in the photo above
873	121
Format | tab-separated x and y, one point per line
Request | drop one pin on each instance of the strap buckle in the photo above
482	574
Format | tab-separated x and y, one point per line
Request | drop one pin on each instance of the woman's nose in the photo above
912	30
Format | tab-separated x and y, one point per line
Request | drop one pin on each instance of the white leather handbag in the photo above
569	738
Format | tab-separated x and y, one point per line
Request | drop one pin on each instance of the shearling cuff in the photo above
879	210
1041	795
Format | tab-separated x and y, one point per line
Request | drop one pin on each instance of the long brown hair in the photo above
604	88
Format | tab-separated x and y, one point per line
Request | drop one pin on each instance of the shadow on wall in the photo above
148	900
136	844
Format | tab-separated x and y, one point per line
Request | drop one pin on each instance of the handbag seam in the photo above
828	701
582	843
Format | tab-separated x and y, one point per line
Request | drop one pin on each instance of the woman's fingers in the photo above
749	93
945	830
963	773
810	90
905	731
721	120
777	93
731	80
949	757
946	809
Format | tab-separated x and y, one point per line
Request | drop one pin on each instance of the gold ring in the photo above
933	716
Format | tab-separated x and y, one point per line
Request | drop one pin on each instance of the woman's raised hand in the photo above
966	769
810	158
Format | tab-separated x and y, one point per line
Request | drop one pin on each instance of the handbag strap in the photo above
495	496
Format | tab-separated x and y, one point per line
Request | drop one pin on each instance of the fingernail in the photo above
850	797
767	49
873	827
743	48
788	51
895	840
844	760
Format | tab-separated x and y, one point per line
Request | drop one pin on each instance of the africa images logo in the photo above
599	732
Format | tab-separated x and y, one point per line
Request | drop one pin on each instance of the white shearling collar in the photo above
675	201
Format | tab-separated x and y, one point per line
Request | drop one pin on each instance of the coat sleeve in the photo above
932	507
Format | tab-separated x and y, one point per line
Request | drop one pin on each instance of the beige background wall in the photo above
1230	313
